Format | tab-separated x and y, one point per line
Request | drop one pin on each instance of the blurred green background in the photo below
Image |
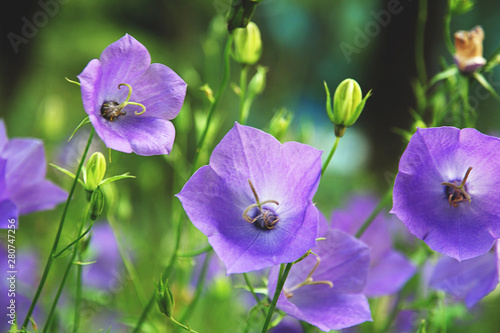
302	48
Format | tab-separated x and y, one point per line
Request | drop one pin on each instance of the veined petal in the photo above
42	195
25	162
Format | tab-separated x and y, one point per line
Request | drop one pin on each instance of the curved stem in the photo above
129	266
166	273
78	296
385	200
58	234
65	275
76	240
277	292
195	252
252	291
199	288
329	158
213	104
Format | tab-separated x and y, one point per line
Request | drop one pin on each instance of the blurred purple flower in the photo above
469	280
446	190
23	188
341	260
130	101
389	269
254	200
106	272
288	325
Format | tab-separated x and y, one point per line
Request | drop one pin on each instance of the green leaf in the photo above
115	178
83	122
68	173
482	81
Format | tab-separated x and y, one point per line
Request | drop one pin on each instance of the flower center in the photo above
288	292
265	218
456	191
111	110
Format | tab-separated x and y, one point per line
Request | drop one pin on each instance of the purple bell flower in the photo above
327	290
254	200
23	187
447	189
130	101
389	269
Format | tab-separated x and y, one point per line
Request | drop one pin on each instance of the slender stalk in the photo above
446	29
252	291
166	273
419	42
65	274
199	288
78	296
329	158
277	292
129	266
385	200
195	252
243	93
217	97
467	111
58	235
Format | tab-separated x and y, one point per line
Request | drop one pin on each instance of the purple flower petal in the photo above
42	195
437	155
469	280
217	195
3	134
344	261
25	162
159	89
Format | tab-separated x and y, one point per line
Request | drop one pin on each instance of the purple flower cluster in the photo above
23	187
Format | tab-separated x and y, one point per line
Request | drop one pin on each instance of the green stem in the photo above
129	266
182	326
76	240
446	30
199	288
218	95
385	200
78	300
329	158
243	93
467	111
277	292
65	275
195	252
252	291
166	273
58	235
419	42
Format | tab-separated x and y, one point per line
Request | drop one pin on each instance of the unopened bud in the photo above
469	47
95	170
247	44
96	204
257	83
458	7
348	102
164	298
280	123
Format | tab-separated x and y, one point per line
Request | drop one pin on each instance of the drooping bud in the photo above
247	44
96	203
94	171
280	123
240	13
348	102
469	47
164	298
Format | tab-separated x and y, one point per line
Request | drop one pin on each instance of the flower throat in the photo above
456	191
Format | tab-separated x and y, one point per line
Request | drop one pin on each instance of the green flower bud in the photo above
247	44
458	7
280	123
96	203
94	171
347	105
257	83
240	13
164	298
